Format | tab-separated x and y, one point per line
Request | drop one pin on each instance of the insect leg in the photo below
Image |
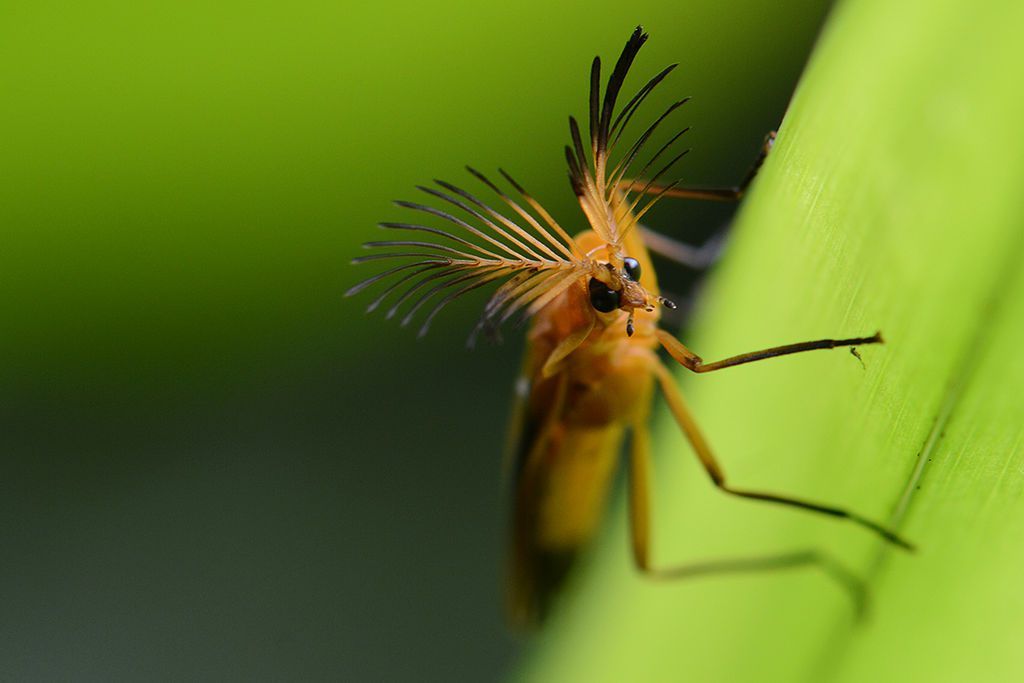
715	194
568	345
639	496
706	254
695	363
688	255
639	523
686	422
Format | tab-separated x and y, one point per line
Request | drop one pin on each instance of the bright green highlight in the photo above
892	201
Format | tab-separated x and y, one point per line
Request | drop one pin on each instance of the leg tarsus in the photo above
714	194
695	363
853	585
887	534
697	258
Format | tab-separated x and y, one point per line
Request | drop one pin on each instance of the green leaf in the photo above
893	200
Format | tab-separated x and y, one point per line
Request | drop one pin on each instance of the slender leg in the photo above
568	345
692	361
690	256
639	496
639	524
715	194
707	458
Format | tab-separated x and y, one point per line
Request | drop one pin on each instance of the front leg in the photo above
691	361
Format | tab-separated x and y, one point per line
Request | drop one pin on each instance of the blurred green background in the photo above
214	466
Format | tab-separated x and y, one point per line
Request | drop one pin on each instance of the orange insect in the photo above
592	362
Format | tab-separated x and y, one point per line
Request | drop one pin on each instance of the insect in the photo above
592	365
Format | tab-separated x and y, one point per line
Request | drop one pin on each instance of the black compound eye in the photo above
632	268
602	298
